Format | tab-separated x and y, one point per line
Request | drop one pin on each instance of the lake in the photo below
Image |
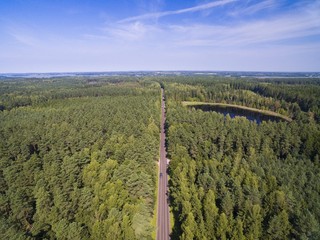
235	112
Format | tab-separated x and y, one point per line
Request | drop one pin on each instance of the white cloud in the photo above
150	6
134	44
24	38
303	24
133	31
198	8
252	9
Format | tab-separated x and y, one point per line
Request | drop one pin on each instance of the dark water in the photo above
234	112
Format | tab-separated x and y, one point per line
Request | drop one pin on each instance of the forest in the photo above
231	178
78	158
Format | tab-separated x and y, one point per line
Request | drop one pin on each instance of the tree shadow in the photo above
176	230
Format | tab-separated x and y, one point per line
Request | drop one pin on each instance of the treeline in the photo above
80	168
25	92
285	96
235	179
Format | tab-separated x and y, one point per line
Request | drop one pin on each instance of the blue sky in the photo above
125	35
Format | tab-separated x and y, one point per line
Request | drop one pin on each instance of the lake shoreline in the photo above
226	105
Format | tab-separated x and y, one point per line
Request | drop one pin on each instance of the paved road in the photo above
163	221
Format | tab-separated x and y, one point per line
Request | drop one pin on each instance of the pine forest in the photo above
79	157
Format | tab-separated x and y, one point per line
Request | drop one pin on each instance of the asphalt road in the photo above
163	221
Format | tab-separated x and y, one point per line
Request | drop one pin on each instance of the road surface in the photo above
163	221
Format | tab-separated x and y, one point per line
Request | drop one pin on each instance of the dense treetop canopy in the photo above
78	158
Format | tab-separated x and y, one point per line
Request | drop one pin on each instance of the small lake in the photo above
234	112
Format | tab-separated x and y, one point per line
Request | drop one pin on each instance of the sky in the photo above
134	35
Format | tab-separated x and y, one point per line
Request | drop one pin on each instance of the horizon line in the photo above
178	70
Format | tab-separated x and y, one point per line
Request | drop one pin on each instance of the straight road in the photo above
163	221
